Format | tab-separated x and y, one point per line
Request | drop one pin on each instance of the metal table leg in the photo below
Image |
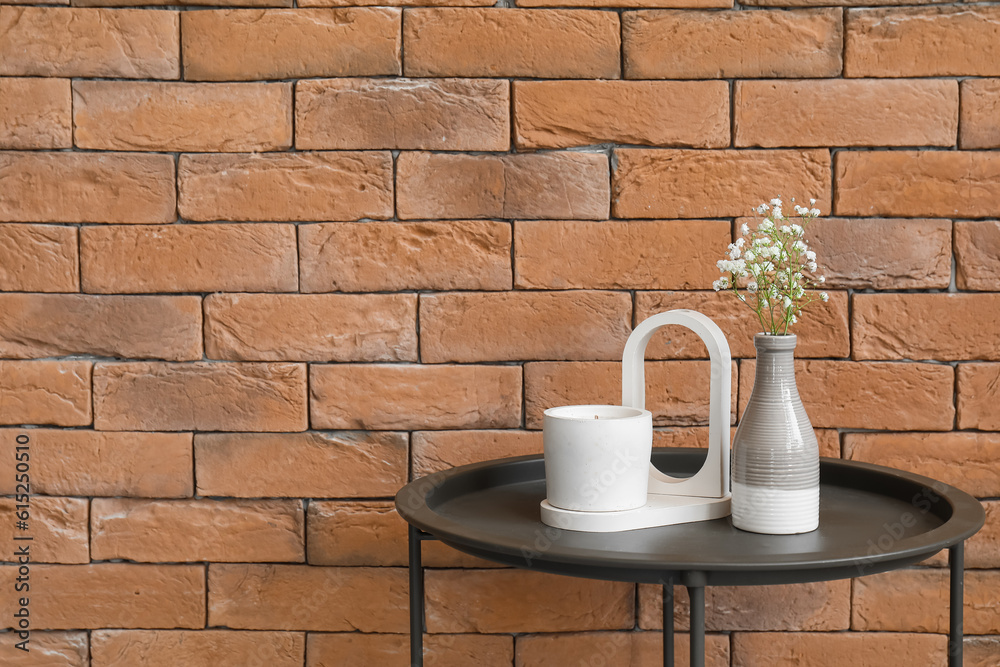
668	623
956	561
697	595
416	600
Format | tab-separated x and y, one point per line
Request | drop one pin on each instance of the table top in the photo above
872	519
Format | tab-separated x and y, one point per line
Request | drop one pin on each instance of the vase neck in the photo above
775	355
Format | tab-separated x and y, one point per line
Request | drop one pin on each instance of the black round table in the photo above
872	519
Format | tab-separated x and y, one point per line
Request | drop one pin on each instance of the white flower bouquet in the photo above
770	268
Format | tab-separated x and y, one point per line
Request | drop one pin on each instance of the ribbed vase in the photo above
775	463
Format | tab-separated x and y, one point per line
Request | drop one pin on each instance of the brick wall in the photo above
261	264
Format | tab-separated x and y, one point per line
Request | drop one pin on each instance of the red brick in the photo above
74	42
45	392
676	391
810	113
35	113
495	601
980	122
562	114
614	649
65	649
676	44
946	327
87	187
290	43
149	531
922	41
979	396
350	649
39	258
421	114
918	183
822	330
472	255
871	395
154	116
58	526
981	651
301	597
297	465
200	396
202	648
882	649
917	601
506	42
91	463
286	186
53	325
977	255
440	450
511	326
404	396
305	327
883	253
526	185
669	183
189	258
117	595
654	254
965	460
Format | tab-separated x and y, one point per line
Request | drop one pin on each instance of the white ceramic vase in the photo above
775	464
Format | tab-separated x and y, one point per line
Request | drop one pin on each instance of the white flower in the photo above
776	213
786	229
814	212
792	319
812	202
749	256
752	287
812	266
797	229
821	279
824	296
721	284
800	246
734	251
765	226
776	202
762	209
786	302
810	255
745	229
801	210
740	241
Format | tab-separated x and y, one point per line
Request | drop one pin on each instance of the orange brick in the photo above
674	44
45	392
472	254
824	605
977	255
117	595
149	531
660	254
200	396
676	391
39	258
883	649
510	326
189	258
922	41
669	183
296	465
965	460
421	114
981	651
74	42
980	125
286	186
53	325
301	597
305	327
495	601
440	450
871	395
182	3
945	327
367	532
883	253
405	396
917	601
918	183
525	185
154	116
58	526
822	331
35	113
202	648
290	43
394	650
979	396
505	42
810	113
66	649
562	114
87	187
91	463
614	649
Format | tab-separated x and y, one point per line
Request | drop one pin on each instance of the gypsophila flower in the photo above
824	296
751	286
